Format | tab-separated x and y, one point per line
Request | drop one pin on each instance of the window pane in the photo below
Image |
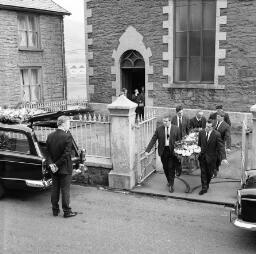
194	43
209	18
181	12
208	43
32	39
24	77
181	44
34	77
195	15
180	69
35	93
194	69
208	69
22	22
32	23
23	38
26	96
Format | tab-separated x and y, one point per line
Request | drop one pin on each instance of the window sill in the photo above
195	86
31	49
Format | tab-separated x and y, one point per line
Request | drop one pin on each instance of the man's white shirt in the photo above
167	139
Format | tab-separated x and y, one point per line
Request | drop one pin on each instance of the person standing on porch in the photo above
166	135
182	122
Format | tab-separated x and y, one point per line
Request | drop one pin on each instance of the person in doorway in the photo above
211	146
219	109
137	98
198	122
166	135
182	122
59	146
224	129
124	91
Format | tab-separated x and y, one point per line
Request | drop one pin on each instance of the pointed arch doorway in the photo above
132	72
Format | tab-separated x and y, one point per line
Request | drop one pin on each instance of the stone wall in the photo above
50	58
110	19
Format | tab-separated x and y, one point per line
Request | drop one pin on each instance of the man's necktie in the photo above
207	135
167	132
217	126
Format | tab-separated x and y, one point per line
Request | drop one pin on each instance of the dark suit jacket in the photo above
194	123
213	116
224	130
59	146
211	149
160	136
185	124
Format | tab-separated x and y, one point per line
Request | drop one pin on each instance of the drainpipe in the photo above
64	74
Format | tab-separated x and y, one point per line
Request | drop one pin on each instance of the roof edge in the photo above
19	8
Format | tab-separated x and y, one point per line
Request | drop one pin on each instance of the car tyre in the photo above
2	190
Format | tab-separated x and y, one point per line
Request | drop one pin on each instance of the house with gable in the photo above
32	52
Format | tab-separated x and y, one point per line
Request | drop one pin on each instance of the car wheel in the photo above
2	190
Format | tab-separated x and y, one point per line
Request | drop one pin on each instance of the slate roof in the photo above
35	5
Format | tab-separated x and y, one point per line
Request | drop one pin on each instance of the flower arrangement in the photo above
17	116
187	146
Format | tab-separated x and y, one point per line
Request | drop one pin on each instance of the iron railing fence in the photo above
92	133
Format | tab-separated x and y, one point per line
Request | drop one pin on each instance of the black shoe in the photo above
178	173
69	214
171	189
55	212
202	192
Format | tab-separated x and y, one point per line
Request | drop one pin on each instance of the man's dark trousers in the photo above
61	183
168	161
206	173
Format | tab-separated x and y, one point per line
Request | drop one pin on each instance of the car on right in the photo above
244	213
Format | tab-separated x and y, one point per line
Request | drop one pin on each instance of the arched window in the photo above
132	59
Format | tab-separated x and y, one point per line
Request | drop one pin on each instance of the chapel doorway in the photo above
132	72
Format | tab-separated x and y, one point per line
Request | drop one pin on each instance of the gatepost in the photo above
122	117
253	110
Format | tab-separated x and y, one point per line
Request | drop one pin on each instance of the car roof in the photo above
16	127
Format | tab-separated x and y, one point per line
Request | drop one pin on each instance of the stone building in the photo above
32	57
196	52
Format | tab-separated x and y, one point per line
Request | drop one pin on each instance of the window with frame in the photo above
194	33
30	79
28	27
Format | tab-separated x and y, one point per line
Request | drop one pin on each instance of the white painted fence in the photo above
58	105
91	133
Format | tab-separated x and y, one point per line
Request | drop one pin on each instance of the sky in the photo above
74	31
76	7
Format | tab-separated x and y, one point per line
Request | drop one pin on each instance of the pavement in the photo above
222	189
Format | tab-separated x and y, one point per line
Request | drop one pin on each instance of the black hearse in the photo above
23	156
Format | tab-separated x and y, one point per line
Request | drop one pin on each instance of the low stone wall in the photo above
96	174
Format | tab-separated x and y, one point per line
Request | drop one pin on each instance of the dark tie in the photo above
167	132
217	126
207	135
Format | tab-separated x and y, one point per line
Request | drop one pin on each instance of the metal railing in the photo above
57	105
91	133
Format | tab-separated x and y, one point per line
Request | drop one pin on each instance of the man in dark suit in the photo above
219	109
198	122
59	146
182	122
211	145
166	135
224	129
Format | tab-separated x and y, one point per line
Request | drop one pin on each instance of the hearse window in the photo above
14	141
